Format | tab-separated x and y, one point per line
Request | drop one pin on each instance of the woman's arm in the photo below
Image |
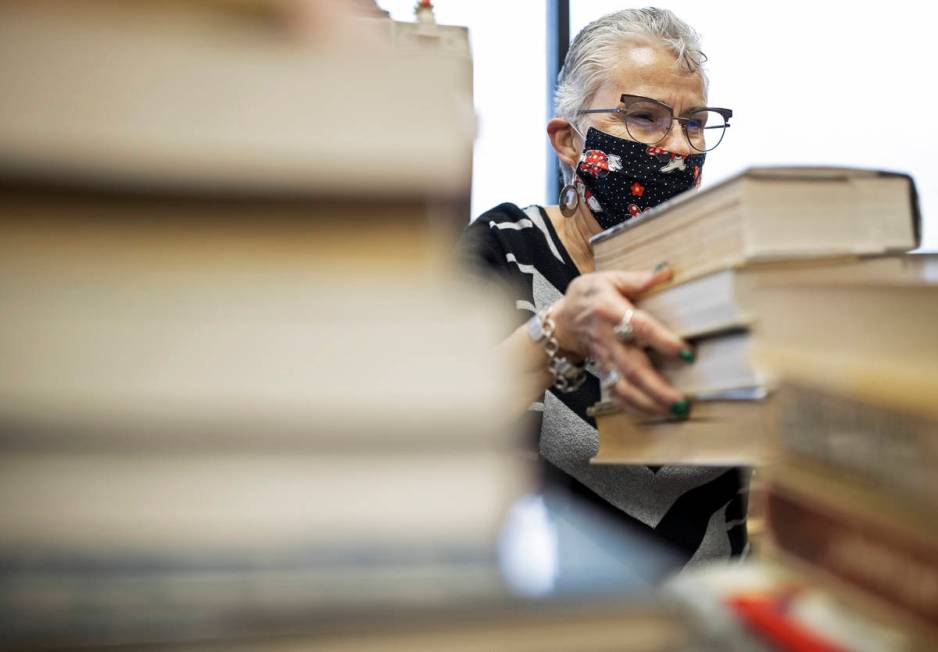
529	362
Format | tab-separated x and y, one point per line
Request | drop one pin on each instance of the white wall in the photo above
848	83
508	47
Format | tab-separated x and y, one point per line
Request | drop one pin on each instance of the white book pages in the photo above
703	305
722	363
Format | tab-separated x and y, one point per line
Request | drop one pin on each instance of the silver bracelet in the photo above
568	377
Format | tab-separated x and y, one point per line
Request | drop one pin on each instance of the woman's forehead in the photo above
651	69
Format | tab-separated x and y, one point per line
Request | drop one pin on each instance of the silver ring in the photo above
623	330
610	378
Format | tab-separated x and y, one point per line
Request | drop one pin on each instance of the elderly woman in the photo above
631	131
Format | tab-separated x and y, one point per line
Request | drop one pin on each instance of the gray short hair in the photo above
592	54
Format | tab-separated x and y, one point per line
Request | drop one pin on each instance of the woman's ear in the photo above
564	140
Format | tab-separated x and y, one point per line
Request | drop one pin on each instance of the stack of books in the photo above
238	398
765	605
810	258
851	503
814	333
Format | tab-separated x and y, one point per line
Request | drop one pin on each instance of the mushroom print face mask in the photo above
621	178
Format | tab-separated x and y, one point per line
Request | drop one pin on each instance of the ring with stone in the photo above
623	330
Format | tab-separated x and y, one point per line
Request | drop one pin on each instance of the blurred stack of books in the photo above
246	400
849	560
851	504
763	605
805	258
242	394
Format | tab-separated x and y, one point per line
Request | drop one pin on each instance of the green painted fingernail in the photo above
681	409
687	355
660	266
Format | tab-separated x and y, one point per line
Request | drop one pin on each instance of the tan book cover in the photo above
717	433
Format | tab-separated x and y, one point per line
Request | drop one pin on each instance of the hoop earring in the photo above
569	200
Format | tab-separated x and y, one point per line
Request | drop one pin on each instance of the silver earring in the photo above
569	200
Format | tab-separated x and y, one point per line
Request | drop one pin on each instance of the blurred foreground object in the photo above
241	395
244	401
207	97
765	606
852	503
849	559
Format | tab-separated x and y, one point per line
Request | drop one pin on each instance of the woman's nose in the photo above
676	141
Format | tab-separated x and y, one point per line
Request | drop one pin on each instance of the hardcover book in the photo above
767	213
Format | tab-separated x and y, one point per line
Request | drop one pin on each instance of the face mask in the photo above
621	178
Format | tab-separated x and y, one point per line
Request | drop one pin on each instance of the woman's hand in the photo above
585	320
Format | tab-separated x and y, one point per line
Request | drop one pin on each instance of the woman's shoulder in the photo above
515	229
523	238
500	228
502	214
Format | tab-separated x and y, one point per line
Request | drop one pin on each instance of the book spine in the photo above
882	562
885	447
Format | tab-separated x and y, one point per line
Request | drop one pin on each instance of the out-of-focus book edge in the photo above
769	603
859	542
870	442
216	360
895	384
484	620
386	123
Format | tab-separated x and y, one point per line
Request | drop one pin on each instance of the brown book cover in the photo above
850	547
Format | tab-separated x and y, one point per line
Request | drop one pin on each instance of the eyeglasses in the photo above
649	122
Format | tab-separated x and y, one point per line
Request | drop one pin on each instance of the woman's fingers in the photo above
630	360
630	396
645	330
630	284
637	371
631	380
648	331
